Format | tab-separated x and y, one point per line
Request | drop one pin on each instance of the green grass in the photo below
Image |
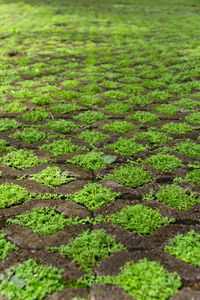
90	117
29	280
21	159
89	248
177	128
14	107
60	147
61	126
52	177
119	126
130	176
153	137
3	146
65	108
126	147
167	109
117	108
90	100
6	247
12	194
186	247
29	135
143	117
194	177
92	137
93	196
187	103
188	148
194	118
43	99
8	124
164	162
174	196
139	219
35	116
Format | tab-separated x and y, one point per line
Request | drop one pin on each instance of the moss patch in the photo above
119	126
60	147
126	147
12	194
29	135
164	162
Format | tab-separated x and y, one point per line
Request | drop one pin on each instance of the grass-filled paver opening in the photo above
4	147
186	247
188	148
60	147
92	137
6	247
8	124
174	196
52	177
31	281
14	107
119	126
93	196
139	219
35	116
117	108
153	137
126	147
65	108
144	117
194	177
194	118
164	162
144	280
130	175
89	248
29	135
167	109
90	117
12	194
61	126
21	159
177	128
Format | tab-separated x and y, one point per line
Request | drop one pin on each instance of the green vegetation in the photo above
29	135
139	219
153	137
194	118
61	126
174	196
126	147
143	117
186	248
21	159
8	124
6	247
93	196
187	103
52	177
188	148
90	161
194	177
65	108
167	109
119	126
90	117
12	194
117	108
177	128
24	281
4	147
90	100
60	147
89	248
36	116
92	137
130	176
43	221
14	107
164	162
43	99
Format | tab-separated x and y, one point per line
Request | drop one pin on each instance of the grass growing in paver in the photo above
177	128
36	116
29	135
14	107
92	137
90	117
12	194
43	221
4	147
61	126
167	109
30	280
90	100
93	196
21	159
90	161
60	147
174	196
52	177
188	148
144	117
194	177
144	280
119	126
130	175
139	219
117	108
89	248
43	99
187	103
65	108
6	247
194	118
7	124
186	247
126	147
164	162
153	137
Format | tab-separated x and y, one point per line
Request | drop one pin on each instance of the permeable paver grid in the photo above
99	150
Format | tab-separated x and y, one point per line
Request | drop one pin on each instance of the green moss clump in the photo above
89	248
188	148
90	117
29	135
21	159
143	117
12	194
194	177
65	108
90	100
164	162
117	108
167	109
177	128
119	126
186	248
126	147
93	196
130	176
43	99
3	146
61	126
14	107
92	137
31	281
194	118
36	116
6	247
8	124
52	177
153	137
60	147
139	219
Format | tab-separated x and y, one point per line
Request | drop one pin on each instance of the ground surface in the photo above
116	82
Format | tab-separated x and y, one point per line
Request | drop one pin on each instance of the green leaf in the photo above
17	281
109	158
